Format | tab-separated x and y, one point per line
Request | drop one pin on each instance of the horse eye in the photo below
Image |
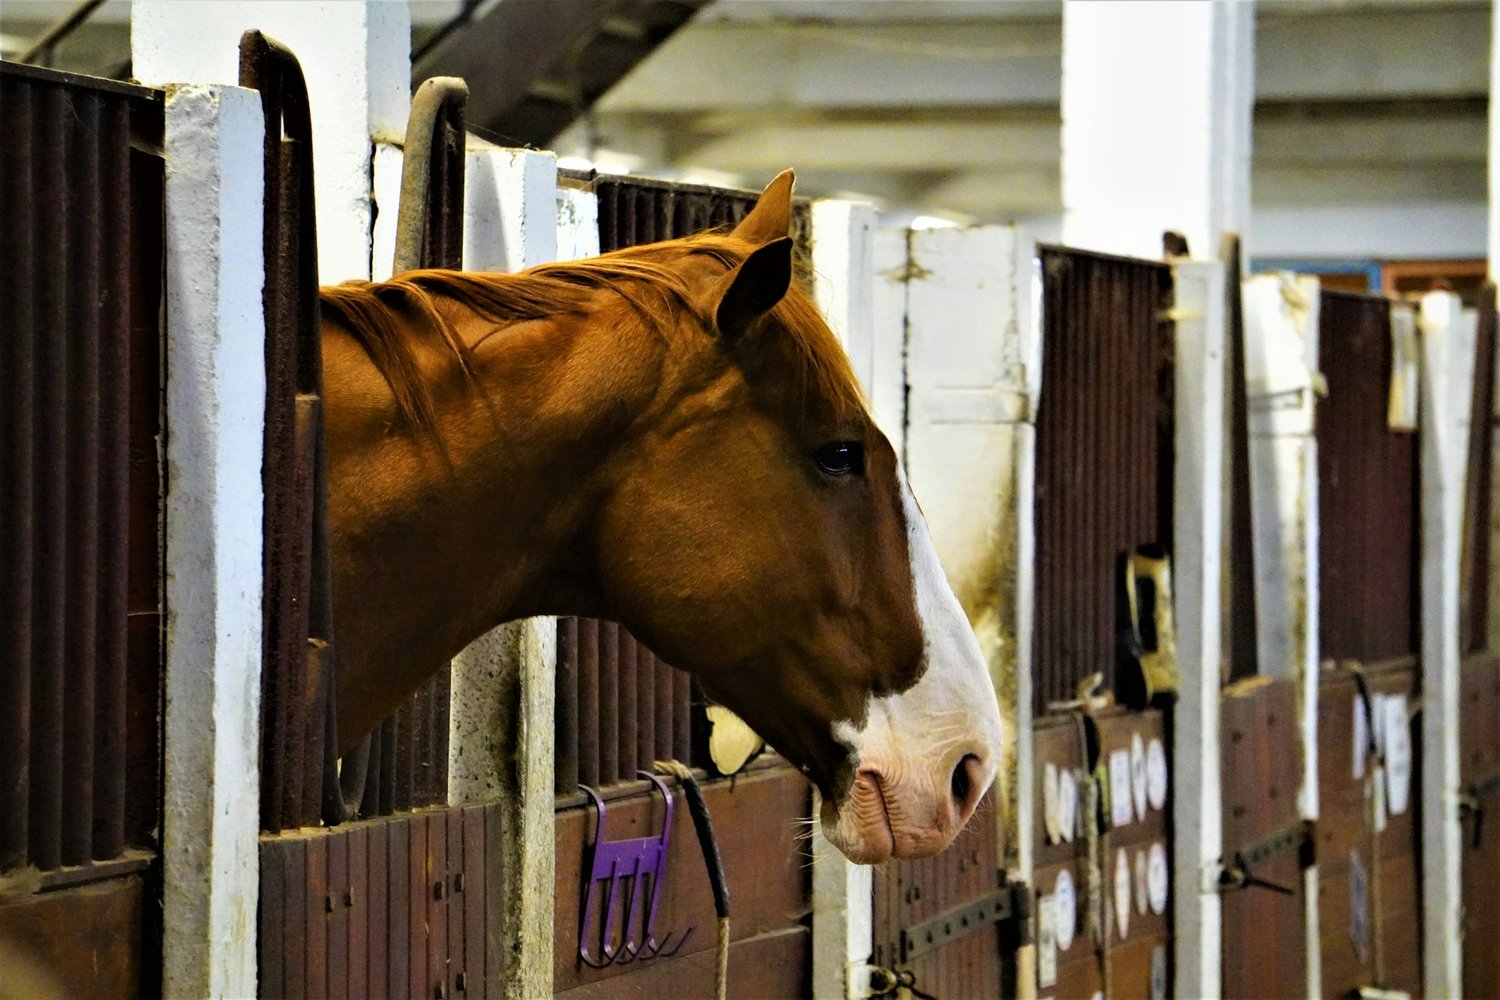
841	458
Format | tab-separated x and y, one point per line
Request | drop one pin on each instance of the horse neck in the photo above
501	529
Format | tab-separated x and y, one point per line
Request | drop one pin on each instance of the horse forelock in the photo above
652	282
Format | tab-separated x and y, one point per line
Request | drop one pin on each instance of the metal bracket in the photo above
1238	872
1009	904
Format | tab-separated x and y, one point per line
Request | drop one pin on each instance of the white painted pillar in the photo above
1156	102
887	385
215	413
973	384
1448	340
843	893
500	744
1197	516
1281	366
356	55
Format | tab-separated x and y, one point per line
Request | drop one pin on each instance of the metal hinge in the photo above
1009	905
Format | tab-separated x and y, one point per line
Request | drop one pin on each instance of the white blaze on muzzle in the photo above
903	800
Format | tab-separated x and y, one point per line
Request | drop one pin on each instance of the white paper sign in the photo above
1361	737
1156	773
1064	910
1067	803
1122	893
1119	788
1046	959
1050	810
1397	753
1157	878
1138	774
1375	795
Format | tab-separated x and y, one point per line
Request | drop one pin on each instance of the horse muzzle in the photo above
892	811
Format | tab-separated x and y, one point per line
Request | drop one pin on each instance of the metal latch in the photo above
1239	872
1009	904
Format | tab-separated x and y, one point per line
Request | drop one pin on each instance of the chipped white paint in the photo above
973	370
1197	515
887	385
1281	380
1448	340
843	901
510	218
500	743
843	237
215	345
1156	101
356	57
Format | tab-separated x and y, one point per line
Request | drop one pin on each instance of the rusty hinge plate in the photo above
961	921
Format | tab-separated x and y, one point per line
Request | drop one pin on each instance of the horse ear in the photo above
771	218
750	291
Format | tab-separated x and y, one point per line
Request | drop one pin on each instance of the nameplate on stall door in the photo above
1119	788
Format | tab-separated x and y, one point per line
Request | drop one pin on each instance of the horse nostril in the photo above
963	781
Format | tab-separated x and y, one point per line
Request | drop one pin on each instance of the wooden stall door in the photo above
1479	766
1264	840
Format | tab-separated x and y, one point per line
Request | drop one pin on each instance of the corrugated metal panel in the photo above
1367	490
1104	454
80	482
618	707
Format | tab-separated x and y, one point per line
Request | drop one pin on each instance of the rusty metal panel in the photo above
1367	490
80	172
1104	454
1474	588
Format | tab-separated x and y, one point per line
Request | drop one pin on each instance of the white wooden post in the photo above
500	744
1493	570
357	60
215	413
1197	516
1281	374
973	372
843	893
1448	339
887	383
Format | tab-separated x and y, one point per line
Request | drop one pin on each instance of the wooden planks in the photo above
1128	957
767	866
1479	742
389	907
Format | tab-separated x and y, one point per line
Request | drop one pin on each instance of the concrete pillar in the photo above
843	893
1448	341
1197	515
215	406
356	55
1281	364
973	378
1156	102
500	745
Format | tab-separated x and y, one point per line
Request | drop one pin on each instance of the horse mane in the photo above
383	316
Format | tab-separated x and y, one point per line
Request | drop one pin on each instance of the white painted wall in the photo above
1434	230
356	57
215	348
1156	103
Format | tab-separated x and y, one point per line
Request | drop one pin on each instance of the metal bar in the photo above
565	712
609	703
47	40
588	702
18	351
436	99
625	707
665	709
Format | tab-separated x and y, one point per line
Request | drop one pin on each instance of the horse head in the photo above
758	530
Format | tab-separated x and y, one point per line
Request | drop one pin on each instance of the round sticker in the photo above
1064	909
1122	893
1156	878
1156	774
1141	889
1049	803
1067	803
1138	774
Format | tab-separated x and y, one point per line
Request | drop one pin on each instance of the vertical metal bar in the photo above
82	462
18	349
645	730
682	717
114	514
588	702
51	553
565	712
665	707
609	702
625	711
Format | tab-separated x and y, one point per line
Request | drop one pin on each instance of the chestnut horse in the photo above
671	437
